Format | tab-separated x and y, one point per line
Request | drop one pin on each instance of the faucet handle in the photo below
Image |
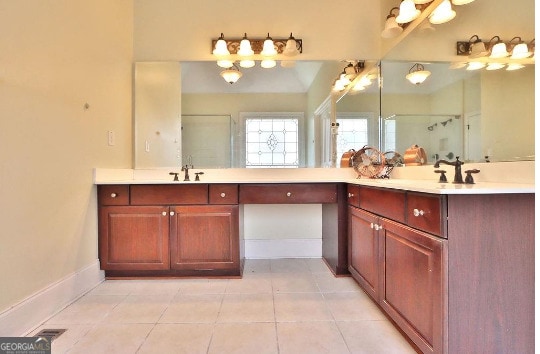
469	178
197	175
442	178
175	179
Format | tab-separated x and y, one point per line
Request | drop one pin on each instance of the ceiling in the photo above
203	77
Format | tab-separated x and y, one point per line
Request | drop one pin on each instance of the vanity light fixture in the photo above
477	48
232	74
461	2
245	47
442	13
514	66
520	49
269	49
247	63
292	47
391	28
417	74
407	12
420	2
220	48
498	48
268	63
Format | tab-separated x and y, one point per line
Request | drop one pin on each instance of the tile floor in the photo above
279	306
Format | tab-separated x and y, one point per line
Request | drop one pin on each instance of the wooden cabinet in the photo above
169	230
205	237
413	277
134	237
364	250
454	272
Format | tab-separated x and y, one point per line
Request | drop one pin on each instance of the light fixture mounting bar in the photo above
257	44
463	47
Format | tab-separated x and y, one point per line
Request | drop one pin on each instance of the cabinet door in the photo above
205	237
364	250
413	292
134	238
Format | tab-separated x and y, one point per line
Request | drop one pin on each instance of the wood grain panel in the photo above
288	193
385	202
113	194
353	192
223	193
433	208
134	238
169	194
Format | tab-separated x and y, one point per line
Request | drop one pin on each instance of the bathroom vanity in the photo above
452	265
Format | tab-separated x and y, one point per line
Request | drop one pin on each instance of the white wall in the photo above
57	56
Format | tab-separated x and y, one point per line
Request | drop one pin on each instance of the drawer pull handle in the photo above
372	225
164	213
114	195
289	194
171	213
222	195
417	212
376	227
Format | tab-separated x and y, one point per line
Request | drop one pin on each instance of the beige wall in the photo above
57	56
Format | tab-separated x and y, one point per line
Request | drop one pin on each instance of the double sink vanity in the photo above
451	265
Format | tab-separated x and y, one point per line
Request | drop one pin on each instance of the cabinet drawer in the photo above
385	202
169	194
427	213
302	193
113	195
223	194
353	195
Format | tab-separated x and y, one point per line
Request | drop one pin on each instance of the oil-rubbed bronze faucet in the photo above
458	178
185	169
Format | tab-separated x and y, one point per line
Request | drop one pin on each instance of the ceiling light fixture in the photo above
407	12
442	13
417	74
232	74
391	28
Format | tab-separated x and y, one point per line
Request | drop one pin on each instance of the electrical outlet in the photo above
110	137
146	146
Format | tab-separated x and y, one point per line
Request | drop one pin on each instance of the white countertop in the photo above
305	175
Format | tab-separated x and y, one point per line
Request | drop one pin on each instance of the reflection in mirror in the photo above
206	140
492	111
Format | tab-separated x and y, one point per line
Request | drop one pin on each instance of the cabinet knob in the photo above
376	227
289	194
417	212
372	225
351	195
171	213
222	195
114	195
164	213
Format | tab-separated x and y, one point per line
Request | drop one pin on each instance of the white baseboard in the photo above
283	248
24	317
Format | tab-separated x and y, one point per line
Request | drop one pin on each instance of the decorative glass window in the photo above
354	132
272	140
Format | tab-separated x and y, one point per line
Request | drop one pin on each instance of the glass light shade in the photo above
291	48
268	48
478	50
495	66
268	63
364	81
443	13
420	2
475	65
514	66
245	47
391	28
338	86
344	79
221	47
499	50
231	75
247	63
358	87
350	71
461	2
407	12
520	51
225	63
418	77
457	65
